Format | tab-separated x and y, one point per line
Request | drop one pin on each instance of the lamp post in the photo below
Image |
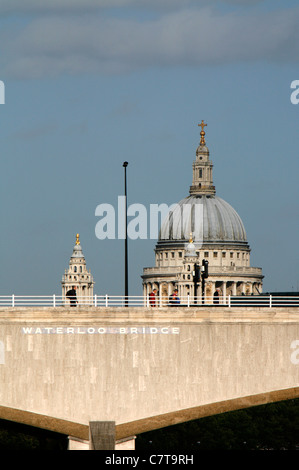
196	279
125	164
204	276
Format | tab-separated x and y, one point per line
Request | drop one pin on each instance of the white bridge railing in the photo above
141	301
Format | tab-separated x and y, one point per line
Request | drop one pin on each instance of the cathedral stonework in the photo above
78	276
209	230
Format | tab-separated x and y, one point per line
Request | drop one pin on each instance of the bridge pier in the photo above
101	437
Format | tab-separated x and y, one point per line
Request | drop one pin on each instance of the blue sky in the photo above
90	84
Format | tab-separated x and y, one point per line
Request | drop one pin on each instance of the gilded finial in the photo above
77	239
202	134
191	239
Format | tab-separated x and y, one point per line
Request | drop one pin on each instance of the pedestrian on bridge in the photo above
152	298
71	294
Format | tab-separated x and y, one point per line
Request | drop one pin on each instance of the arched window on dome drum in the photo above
75	269
80	269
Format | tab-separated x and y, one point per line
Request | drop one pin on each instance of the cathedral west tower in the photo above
78	276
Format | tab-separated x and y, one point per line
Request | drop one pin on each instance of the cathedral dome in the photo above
210	219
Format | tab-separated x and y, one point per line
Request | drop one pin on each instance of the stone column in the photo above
210	298
181	290
234	288
224	292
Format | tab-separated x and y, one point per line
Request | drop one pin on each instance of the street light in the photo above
125	164
204	276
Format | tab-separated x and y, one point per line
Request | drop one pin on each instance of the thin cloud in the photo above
49	46
35	132
73	6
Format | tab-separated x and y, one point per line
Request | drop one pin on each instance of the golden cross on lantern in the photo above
77	239
202	140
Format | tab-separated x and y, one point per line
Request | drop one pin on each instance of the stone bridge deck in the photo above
61	368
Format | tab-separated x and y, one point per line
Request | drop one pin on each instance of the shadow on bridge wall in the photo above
125	430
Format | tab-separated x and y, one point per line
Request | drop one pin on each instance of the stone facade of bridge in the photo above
142	368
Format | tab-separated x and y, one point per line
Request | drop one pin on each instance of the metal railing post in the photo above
13	300
54	301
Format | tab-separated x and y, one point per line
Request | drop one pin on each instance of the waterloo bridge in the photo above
79	371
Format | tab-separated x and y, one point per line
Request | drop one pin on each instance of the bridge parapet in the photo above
143	367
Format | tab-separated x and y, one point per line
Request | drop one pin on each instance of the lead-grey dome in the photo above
209	219
77	250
